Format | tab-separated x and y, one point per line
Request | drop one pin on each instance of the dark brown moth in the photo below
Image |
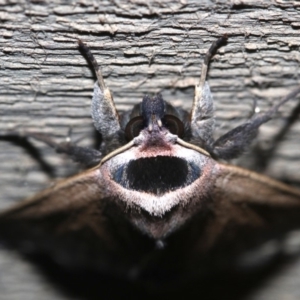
158	206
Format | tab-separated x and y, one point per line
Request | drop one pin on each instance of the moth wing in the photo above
254	189
71	221
249	209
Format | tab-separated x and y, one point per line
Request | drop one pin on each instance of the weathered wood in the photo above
143	47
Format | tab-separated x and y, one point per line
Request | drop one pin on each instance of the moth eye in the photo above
133	127
174	125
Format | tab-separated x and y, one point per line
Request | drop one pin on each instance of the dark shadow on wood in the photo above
230	284
263	157
32	151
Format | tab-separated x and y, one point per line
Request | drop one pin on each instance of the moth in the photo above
158	204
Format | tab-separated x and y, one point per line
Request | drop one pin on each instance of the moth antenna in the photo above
192	146
116	152
94	62
104	112
210	53
202	113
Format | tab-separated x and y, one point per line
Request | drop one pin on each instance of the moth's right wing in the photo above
248	209
75	222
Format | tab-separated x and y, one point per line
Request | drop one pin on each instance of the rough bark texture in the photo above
143	47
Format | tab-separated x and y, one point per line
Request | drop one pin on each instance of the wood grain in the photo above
143	47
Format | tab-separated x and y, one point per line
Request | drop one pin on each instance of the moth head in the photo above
153	162
153	114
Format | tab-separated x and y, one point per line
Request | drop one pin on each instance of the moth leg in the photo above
104	112
263	155
202	114
85	156
234	142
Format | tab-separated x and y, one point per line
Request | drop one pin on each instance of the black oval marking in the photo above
157	175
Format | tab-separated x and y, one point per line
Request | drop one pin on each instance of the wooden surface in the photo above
143	47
